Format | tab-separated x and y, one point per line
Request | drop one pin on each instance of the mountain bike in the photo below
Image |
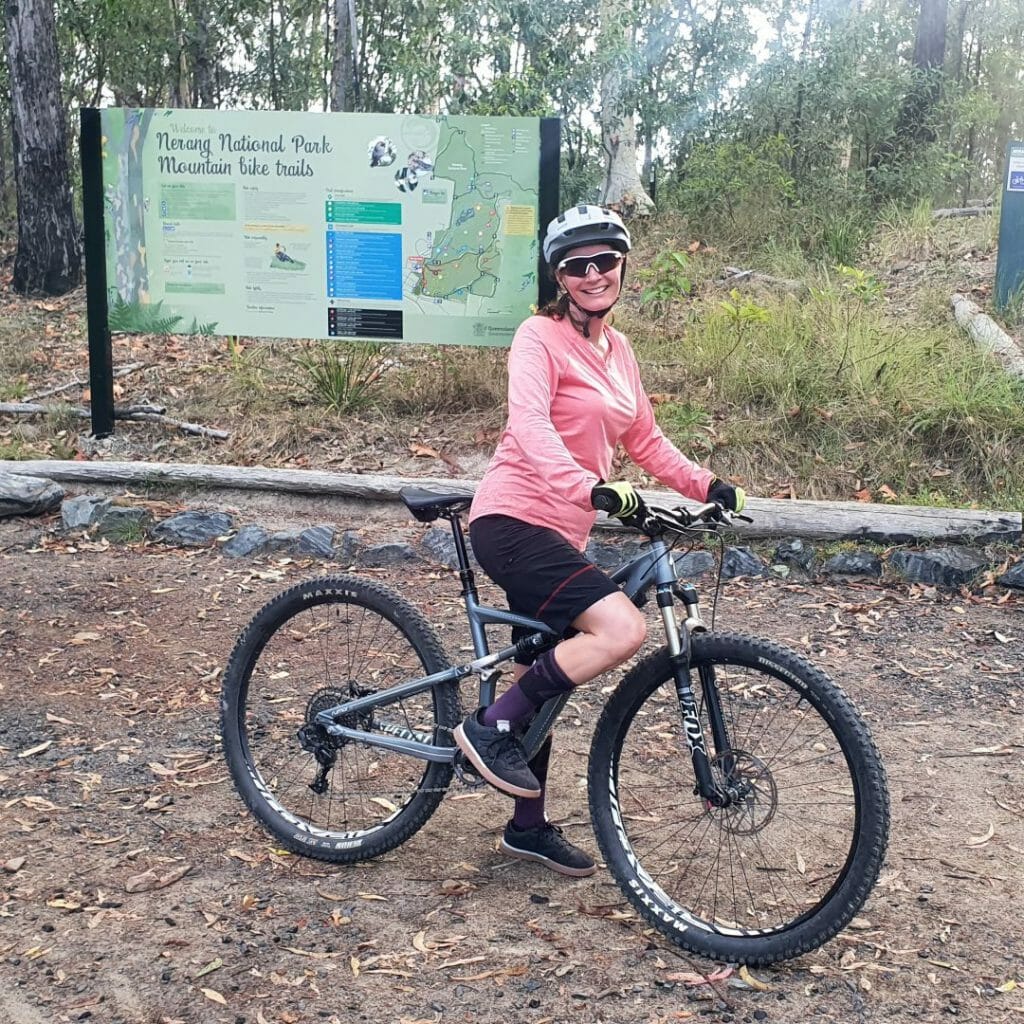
736	794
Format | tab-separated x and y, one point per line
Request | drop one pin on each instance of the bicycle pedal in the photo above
465	772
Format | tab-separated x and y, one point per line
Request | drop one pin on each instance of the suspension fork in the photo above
679	648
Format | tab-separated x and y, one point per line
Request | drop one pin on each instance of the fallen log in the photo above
151	413
736	275
817	520
119	371
961	211
122	412
988	335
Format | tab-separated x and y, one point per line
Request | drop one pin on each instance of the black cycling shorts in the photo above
544	577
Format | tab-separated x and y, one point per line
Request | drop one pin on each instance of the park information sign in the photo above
381	227
1010	262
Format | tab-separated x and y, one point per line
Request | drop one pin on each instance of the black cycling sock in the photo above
530	813
544	680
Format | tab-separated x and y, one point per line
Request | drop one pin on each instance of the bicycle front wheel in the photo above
316	645
794	856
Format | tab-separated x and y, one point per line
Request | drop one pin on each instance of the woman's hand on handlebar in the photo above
618	499
726	495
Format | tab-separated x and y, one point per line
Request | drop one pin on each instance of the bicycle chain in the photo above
431	789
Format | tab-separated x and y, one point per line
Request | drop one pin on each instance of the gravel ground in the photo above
138	889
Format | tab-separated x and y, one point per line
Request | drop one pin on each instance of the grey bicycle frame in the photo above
652	568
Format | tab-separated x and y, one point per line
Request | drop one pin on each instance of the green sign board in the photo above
383	227
1010	263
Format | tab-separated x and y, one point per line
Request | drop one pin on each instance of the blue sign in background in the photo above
364	265
1010	263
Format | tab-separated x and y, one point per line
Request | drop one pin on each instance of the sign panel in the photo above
371	226
1015	168
1010	261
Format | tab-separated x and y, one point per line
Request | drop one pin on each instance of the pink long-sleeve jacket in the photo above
568	408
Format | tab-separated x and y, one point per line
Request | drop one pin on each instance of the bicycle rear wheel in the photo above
792	860
318	644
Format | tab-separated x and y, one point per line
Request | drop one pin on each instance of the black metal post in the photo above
101	359
548	200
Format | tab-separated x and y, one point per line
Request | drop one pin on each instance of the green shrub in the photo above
341	376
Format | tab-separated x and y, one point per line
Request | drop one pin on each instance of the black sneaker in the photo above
547	845
498	756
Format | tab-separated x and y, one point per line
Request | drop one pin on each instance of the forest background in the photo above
807	140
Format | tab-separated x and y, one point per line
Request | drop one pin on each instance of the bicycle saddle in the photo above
426	506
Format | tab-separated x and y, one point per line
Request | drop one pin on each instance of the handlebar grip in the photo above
605	503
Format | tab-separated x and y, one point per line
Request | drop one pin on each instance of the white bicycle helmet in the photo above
584	225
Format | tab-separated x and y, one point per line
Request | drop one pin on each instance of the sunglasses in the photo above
579	266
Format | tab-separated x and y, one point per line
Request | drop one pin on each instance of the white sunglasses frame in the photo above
604	252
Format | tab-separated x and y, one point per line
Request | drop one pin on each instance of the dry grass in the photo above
825	396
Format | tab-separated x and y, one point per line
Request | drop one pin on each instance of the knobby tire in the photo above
791	862
314	646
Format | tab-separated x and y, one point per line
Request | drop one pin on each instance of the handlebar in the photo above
654	520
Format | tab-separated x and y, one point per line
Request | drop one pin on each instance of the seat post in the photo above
470	598
462	554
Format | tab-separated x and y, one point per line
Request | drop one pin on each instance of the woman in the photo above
574	393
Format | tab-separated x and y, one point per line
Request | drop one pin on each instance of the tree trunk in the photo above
914	125
275	96
204	58
796	130
622	188
344	80
49	257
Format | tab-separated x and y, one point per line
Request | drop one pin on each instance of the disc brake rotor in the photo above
754	797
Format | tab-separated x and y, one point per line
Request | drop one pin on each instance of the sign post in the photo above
101	370
1010	262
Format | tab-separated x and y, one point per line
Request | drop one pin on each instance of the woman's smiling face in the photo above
595	291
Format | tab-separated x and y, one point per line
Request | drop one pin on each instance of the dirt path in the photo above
111	779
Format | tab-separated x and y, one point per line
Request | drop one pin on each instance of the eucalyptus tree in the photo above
48	259
690	54
622	186
344	93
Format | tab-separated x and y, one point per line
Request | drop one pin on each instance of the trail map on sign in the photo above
381	227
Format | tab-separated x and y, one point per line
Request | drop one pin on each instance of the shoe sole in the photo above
462	742
539	858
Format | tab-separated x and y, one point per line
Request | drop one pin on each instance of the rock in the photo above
1014	576
610	555
351	542
605	556
853	563
192	529
947	567
123	523
741	561
82	511
796	554
440	545
694	564
388	554
249	541
283	540
316	540
28	495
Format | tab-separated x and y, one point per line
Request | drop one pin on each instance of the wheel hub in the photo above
751	794
314	737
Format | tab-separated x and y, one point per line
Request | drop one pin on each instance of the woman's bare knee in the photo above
613	629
